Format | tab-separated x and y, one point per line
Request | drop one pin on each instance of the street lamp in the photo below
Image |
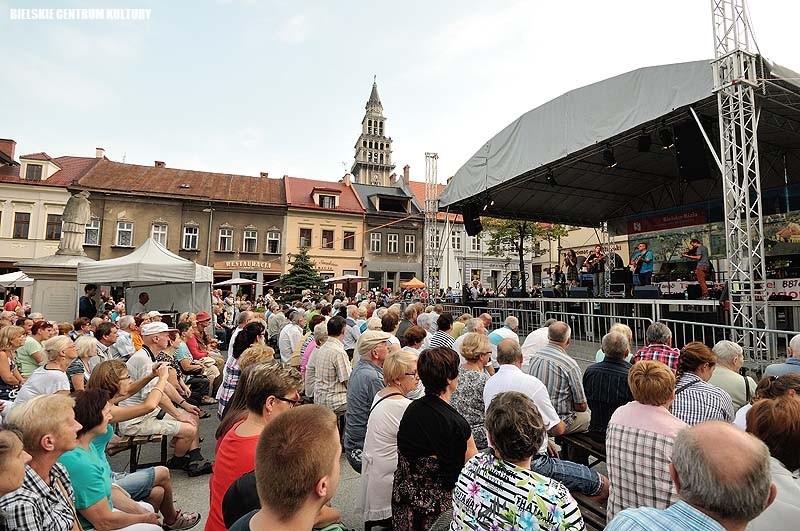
210	211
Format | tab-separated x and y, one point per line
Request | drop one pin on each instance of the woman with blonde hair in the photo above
468	396
624	330
696	400
379	457
79	370
11	338
50	378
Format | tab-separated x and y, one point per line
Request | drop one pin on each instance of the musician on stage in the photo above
559	280
571	266
596	265
642	264
699	252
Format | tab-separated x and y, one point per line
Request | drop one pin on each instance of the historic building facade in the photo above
373	156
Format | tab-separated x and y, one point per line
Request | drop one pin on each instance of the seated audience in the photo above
302	444
639	441
51	377
30	356
696	400
722	477
379	458
44	502
659	347
433	443
769	387
622	329
606	383
185	372
790	366
80	369
497	489
507	331
467	399
726	376
13	459
535	341
11	338
776	422
365	381
90	473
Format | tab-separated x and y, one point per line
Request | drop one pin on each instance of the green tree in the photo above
520	238
302	275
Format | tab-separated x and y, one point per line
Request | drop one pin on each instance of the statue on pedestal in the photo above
77	213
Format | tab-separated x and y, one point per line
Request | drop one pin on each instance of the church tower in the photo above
373	160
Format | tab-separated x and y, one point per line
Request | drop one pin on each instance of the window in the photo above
53	230
327	201
273	243
375	242
455	241
410	243
391	243
124	234
475	243
436	240
250	241
33	172
159	233
191	238
305	237
22	224
349	242
327	239
92	234
225	240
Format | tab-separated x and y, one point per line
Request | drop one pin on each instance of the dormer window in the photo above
33	172
327	201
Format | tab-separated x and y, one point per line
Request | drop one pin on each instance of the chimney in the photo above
99	153
406	170
8	147
264	174
393	178
347	179
161	164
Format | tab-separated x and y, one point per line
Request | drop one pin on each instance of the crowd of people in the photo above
451	422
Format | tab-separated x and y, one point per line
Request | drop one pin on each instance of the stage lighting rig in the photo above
609	158
644	141
666	137
551	179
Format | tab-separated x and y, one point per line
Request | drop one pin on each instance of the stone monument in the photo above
55	288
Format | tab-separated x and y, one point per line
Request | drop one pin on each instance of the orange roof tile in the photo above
71	169
299	194
199	185
38	156
418	189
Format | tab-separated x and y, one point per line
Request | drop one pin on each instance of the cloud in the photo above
295	29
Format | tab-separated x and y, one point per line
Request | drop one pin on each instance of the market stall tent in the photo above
172	282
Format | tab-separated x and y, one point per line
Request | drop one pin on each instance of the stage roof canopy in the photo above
549	165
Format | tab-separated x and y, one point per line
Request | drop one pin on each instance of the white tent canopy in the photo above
17	279
151	265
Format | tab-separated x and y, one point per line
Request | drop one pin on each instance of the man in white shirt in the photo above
291	336
242	321
140	306
123	348
535	341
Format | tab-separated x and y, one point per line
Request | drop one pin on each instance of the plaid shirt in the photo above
225	391
639	443
38	507
698	401
659	352
562	377
331	371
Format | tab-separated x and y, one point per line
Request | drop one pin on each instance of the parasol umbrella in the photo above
414	283
236	282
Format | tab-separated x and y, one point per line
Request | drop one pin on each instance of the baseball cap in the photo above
203	316
371	339
156	328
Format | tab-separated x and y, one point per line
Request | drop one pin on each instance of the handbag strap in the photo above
686	385
76	523
746	389
382	399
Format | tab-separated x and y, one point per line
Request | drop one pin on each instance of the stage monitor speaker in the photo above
580	293
646	292
549	293
472	220
693	291
621	275
690	152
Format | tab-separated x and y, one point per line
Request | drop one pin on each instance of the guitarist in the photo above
699	252
642	264
596	265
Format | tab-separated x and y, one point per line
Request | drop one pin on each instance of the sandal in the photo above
183	521
208	401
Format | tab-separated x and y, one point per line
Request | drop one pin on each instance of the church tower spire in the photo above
373	157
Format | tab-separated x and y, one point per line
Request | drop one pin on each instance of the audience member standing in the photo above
467	399
331	368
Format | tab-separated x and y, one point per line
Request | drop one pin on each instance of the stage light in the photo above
551	179
489	203
608	157
644	142
665	135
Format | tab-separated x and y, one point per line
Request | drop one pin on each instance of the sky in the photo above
249	86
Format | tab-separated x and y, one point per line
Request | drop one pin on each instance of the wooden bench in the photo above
594	514
585	444
134	443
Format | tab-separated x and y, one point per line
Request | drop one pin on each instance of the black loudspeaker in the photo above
549	293
646	292
621	276
580	293
472	220
690	152
694	292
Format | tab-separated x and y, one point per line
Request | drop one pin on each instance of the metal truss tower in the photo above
433	252
735	81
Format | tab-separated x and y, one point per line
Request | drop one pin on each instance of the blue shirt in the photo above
647	263
791	366
681	515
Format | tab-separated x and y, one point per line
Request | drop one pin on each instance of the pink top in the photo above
307	354
654	419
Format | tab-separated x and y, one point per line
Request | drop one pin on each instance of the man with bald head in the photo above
562	376
723	479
